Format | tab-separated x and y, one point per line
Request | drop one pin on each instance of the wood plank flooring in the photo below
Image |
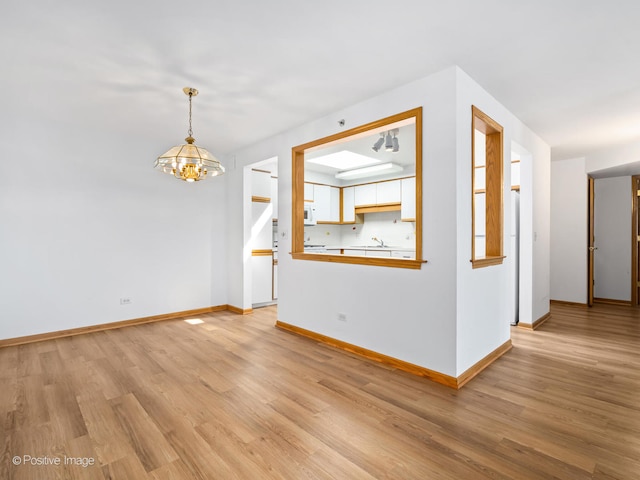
235	397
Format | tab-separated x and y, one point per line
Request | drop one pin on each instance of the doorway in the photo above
261	194
610	265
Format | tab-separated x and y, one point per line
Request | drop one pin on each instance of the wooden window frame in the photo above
297	227
494	190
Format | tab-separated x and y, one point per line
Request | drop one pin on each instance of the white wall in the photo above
612	259
483	313
384	225
615	161
443	317
85	220
406	314
569	230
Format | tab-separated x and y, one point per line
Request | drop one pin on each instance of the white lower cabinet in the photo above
354	252
403	254
275	278
379	253
262	284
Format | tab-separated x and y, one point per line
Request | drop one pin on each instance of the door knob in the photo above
591	249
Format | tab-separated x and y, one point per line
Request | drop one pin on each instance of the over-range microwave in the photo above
309	215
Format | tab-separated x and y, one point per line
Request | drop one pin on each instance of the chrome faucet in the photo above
376	239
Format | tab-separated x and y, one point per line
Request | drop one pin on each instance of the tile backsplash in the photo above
384	225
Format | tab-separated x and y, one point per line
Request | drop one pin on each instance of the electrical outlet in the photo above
125	301
342	317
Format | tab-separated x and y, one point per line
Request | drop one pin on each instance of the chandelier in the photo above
189	162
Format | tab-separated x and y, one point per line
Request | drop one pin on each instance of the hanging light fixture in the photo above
378	144
390	144
189	162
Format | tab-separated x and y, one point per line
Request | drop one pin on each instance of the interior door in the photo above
591	243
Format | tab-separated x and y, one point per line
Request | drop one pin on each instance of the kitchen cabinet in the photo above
365	194
388	192
378	253
274	276
408	204
261	184
274	197
261	225
262	283
360	253
348	205
308	192
378	193
326	203
411	254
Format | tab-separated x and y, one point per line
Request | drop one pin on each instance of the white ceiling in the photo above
569	69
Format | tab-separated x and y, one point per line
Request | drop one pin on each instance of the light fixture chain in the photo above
190	130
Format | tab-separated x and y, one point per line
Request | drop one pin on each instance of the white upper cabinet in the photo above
308	192
274	196
408	205
348	204
378	193
327	203
365	194
260	184
388	192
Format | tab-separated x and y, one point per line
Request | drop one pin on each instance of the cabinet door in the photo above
408	205
403	254
378	253
388	192
262	225
365	194
327	203
308	192
348	205
275	279
261	269
334	204
274	196
260	184
322	202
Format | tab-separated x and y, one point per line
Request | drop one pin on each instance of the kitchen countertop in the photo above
370	247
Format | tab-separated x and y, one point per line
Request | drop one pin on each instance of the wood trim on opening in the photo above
360	260
262	253
298	155
493	191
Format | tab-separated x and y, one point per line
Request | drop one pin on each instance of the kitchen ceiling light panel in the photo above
373	170
344	160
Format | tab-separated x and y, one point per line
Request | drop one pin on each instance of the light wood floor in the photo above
234	397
